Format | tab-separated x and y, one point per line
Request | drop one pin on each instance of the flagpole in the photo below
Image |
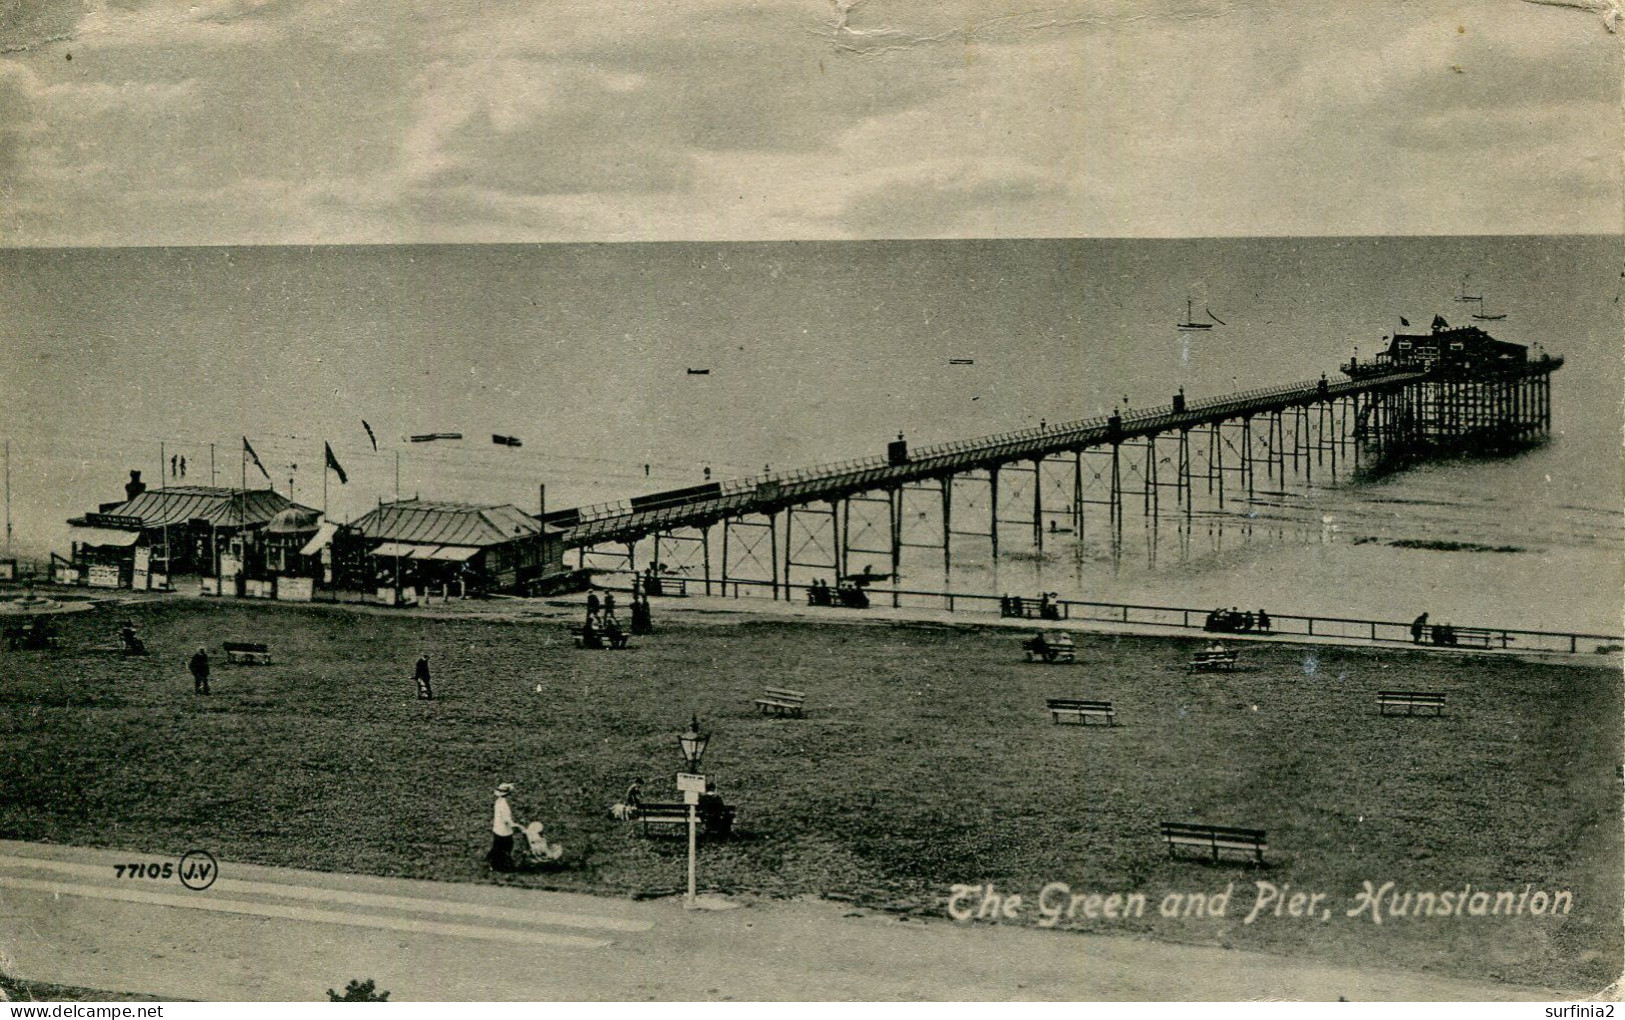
324	481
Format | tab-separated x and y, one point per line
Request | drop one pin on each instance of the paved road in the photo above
280	934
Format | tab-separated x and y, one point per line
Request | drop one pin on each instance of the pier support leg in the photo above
1038	504
705	553
773	548
993	512
896	543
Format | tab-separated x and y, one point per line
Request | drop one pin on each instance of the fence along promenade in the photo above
1187	618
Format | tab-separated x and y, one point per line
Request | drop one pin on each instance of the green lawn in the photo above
926	759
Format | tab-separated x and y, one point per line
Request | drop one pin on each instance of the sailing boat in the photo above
1464	296
1190	319
1484	316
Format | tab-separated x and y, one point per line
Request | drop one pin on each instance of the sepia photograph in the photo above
812	500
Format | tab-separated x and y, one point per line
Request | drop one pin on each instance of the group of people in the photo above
1049	606
1233	621
819	593
1439	633
602	625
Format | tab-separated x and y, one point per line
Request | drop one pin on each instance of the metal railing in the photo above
1185	618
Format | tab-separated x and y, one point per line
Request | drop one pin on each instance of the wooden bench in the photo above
782	702
1213	662
1050	648
671	819
655	819
1081	710
1413	702
1029	609
1214	838
31	635
248	653
598	637
665	587
1477	637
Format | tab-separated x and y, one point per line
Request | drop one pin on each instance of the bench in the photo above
1412	702
1476	636
846	596
31	636
1081	710
248	653
1214	838
597	637
671	818
1050	647
1213	662
782	702
1029	609
665	587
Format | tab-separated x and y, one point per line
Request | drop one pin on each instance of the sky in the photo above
366	121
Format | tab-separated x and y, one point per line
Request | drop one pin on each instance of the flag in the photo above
333	462
255	458
1404	321
370	436
506	440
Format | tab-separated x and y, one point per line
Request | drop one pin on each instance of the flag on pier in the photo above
333	463
249	451
372	438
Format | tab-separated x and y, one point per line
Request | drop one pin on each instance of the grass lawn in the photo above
926	759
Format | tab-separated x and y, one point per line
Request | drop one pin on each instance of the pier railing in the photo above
1394	632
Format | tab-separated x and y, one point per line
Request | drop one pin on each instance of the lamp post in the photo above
692	784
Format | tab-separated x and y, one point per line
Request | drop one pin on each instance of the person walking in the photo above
592	606
199	665
421	674
609	605
1418	627
500	856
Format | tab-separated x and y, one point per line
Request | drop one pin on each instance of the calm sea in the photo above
113	359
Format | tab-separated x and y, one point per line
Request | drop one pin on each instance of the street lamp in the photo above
692	784
693	743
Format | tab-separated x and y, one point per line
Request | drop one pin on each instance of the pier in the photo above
1444	393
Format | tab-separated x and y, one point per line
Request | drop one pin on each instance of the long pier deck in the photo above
631	520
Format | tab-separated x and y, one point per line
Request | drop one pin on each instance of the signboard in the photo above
103	576
8	570
114	521
689	782
228	565
294	589
143	560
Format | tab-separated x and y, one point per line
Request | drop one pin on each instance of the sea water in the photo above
116	359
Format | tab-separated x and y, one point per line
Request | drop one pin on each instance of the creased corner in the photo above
1609	10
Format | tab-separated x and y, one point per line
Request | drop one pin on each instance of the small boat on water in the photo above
961	361
699	371
1483	314
1190	322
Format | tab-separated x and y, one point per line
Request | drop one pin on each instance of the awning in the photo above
400	549
450	553
102	536
321	540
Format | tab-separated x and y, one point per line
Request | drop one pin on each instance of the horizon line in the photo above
807	240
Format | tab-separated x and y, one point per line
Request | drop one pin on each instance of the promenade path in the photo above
275	934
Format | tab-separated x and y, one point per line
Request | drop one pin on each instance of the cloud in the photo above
237	121
941	202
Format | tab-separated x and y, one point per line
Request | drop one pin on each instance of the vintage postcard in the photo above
811	500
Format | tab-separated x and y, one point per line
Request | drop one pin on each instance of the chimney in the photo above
135	486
